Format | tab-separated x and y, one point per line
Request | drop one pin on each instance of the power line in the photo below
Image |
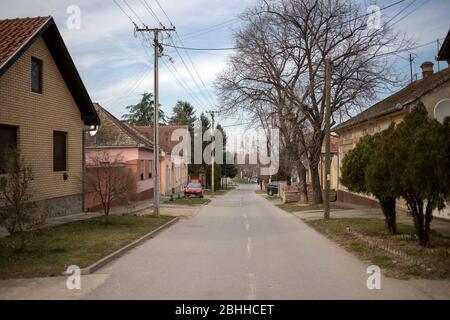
235	48
181	81
132	86
134	12
199	49
126	14
212	28
189	58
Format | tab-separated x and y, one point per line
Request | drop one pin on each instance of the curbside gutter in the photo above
103	261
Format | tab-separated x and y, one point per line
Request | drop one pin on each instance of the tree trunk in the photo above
388	208
314	159
315	181
421	221
302	188
427	226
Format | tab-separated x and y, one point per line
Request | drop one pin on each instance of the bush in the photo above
411	161
17	213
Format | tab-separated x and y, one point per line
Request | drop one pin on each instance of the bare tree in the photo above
17	212
281	50
110	180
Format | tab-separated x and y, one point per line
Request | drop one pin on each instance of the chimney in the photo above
427	69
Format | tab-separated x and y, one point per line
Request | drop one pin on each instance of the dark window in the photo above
150	169
36	75
59	151
8	139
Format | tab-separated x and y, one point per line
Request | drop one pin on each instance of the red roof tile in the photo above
15	33
165	135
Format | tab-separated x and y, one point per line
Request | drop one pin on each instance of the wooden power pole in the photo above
157	49
327	138
212	150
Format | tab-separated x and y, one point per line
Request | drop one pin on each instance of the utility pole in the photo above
411	59
212	149
438	62
157	52
327	137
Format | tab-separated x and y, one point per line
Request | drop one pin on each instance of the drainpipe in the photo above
83	176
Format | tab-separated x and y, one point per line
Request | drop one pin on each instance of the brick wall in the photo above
37	116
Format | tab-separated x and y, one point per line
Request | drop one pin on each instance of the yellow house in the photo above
44	109
433	89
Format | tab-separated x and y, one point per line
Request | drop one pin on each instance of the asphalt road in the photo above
241	247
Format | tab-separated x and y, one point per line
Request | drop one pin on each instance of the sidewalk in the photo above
133	208
440	225
143	207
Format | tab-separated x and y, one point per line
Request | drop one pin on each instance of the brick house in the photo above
44	109
433	90
120	139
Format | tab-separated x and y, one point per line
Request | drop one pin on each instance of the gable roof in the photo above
17	35
444	52
399	100
115	133
165	135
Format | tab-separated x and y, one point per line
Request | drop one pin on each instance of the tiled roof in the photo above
165	135
114	133
444	52
15	33
399	100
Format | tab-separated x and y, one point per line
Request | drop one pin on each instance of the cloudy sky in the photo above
115	65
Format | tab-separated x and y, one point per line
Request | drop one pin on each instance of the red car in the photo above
193	190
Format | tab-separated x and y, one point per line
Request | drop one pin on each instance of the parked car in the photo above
273	188
254	180
193	189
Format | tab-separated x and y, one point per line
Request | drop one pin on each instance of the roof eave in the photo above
397	108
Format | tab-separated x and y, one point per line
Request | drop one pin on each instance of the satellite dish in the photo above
442	110
93	130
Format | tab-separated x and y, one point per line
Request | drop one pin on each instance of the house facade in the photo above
123	142
44	111
173	166
432	89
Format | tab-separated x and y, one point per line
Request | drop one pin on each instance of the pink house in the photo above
120	139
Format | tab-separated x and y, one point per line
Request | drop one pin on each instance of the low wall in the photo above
94	204
61	206
348	197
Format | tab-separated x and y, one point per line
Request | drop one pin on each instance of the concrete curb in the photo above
168	205
102	262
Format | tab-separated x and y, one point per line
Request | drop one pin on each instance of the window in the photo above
36	75
150	169
59	151
9	139
142	169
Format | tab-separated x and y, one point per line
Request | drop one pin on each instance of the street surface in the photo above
241	247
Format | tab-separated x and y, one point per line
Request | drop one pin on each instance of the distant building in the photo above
44	108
